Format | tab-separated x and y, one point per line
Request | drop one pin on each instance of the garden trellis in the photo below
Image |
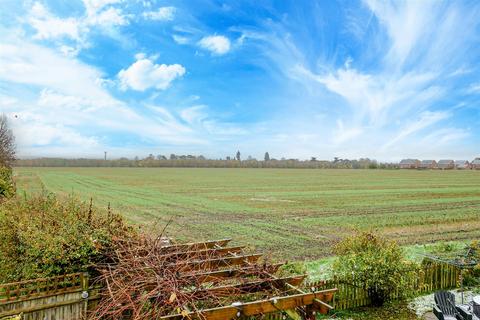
204	280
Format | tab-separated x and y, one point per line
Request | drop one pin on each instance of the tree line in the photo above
185	161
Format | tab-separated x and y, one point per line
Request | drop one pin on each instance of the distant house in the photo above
409	164
446	164
476	164
462	164
428	164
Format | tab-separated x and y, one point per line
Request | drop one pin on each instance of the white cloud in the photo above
108	17
144	74
180	39
343	134
375	98
425	120
27	63
98	13
92	7
194	114
69	112
48	26
216	44
162	14
445	136
474	88
406	23
34	133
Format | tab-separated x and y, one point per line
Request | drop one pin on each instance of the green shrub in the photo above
472	276
377	264
292	269
7	186
45	236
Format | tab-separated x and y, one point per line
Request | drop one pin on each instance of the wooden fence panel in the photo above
46	299
428	279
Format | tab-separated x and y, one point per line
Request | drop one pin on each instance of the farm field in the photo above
292	213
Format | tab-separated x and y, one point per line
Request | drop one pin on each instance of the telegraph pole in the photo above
105	155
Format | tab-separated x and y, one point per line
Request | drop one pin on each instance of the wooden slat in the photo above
177	248
38	287
257	307
219	275
252	286
197	245
212	264
206	253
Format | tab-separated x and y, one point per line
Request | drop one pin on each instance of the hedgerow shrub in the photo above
376	264
45	236
7	186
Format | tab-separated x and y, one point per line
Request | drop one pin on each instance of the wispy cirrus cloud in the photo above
389	91
71	107
425	120
381	79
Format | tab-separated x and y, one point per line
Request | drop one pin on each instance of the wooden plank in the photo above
212	264
197	245
205	253
250	287
47	306
24	290
193	246
41	295
219	275
257	307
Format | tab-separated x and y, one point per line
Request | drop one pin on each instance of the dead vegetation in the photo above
147	279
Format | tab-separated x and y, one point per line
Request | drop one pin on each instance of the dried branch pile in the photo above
147	279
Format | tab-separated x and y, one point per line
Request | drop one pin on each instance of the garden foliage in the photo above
45	236
376	264
7	186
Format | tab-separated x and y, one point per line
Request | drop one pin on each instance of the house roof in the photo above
445	162
461	161
428	161
409	161
476	161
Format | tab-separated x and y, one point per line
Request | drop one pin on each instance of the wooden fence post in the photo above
85	292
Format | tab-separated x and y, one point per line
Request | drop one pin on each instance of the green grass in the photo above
292	213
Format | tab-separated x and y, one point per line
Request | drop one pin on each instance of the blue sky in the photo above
378	79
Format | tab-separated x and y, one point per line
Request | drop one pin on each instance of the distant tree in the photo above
237	156
173	157
228	158
150	157
7	143
313	159
267	156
